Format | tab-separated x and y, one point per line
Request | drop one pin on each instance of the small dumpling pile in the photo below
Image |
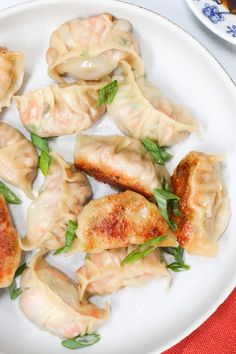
91	48
50	299
64	192
18	159
60	110
11	75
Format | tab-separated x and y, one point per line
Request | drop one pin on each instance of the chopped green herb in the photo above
173	203
162	199
10	197
143	250
44	162
69	236
81	341
107	93
40	143
13	290
159	154
178	254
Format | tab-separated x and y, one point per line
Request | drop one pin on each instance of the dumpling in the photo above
50	299
60	110
119	160
140	110
103	274
119	220
64	192
91	48
11	75
10	252
18	159
204	203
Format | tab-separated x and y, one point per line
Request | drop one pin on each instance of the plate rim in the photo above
27	4
218	32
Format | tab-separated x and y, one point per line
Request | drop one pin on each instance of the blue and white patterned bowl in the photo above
216	17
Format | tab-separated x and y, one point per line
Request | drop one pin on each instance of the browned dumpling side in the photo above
204	203
10	252
120	220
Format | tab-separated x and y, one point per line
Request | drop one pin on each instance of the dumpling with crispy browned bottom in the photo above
120	220
204	203
120	161
10	252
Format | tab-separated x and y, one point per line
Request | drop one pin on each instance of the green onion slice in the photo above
107	93
81	341
69	236
10	197
159	154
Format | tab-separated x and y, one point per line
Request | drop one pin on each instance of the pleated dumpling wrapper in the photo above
204	203
91	48
103	273
18	159
120	220
60	110
121	161
50	299
140	110
65	190
10	252
11	75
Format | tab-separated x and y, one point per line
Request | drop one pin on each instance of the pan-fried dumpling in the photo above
60	110
140	110
91	48
18	159
10	252
119	220
204	203
64	192
11	75
50	299
103	274
119	160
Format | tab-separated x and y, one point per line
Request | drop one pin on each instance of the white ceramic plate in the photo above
149	319
216	17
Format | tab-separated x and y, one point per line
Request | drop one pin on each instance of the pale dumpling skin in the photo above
204	203
119	220
91	48
11	75
18	159
64	192
10	252
140	110
60	110
121	161
50	299
103	273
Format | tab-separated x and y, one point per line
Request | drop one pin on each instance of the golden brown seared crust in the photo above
118	221
180	185
108	175
9	246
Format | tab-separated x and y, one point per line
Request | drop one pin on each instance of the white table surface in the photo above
178	12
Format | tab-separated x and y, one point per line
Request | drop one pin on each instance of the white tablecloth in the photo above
178	12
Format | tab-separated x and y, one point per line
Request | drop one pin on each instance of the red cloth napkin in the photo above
215	336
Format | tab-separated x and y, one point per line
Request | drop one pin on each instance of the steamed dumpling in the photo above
140	110
119	160
60	110
10	252
103	274
119	220
204	203
18	159
64	192
91	48
11	75
50	299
